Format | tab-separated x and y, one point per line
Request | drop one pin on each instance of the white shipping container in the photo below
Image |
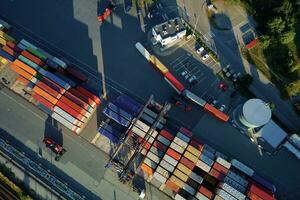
202	165
242	167
142	50
27	44
150	120
232	191
159	177
170	160
223	162
21	46
178	197
180	142
234	184
59	62
167	165
66	123
176	147
189	189
144	151
154	115
237	178
206	159
201	196
224	194
183	137
153	157
196	177
163	172
67	116
163	140
150	163
208	154
141	125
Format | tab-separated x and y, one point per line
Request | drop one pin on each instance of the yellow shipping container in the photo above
184	169
161	67
2	41
180	175
191	157
6	37
3	61
177	181
193	150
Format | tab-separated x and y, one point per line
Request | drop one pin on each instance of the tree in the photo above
276	25
287	36
286	8
293	89
265	41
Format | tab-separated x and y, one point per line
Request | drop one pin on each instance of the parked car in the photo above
222	108
200	50
205	56
192	78
55	147
184	73
222	86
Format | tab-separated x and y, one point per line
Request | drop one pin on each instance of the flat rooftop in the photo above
170	28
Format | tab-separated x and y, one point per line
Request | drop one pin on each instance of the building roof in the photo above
256	112
169	28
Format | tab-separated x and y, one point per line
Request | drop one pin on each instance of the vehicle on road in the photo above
222	86
214	102
222	108
205	56
192	78
184	73
108	10
200	50
55	147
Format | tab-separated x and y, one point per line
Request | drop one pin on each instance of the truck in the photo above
108	10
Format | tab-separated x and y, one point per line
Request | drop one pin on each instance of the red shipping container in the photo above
89	94
159	145
14	47
174	81
186	132
10	51
166	134
196	144
172	186
77	74
83	97
33	58
77	100
53	85
215	112
206	192
74	106
48	89
71	111
218	175
186	162
43	101
260	192
173	154
220	168
253	196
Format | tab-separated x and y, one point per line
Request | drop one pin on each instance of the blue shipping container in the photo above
6	55
128	104
54	78
72	83
108	134
117	118
263	182
120	111
52	64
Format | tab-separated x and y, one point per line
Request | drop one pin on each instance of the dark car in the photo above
55	147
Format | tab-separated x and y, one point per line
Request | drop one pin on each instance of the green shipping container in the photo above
37	53
29	62
39	76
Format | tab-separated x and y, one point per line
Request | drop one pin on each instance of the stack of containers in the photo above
154	155
53	93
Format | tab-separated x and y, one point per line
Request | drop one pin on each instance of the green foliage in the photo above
287	36
297	108
264	41
276	25
285	9
293	89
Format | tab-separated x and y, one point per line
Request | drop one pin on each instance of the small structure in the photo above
169	31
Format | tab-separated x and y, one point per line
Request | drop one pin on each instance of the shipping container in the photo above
6	37
163	172
174	82
144	151
193	98
242	167
201	196
173	154
117	118
196	177
215	112
61	74
179	197
5	24
206	192
193	150
14	47
153	115
234	184
254	188
119	111
189	189
25	67
202	165
206	159
163	140
59	62
71	111
253	196
52	64
75	106
179	174
29	62
210	179
43	101
158	65
128	104
27	44
192	183
237	178
48	89
21	72
183	137
186	132
208	154
223	162
2	41
53	85
166	134
45	94
215	173
232	191
209	148
217	197
196	144
143	51
146	169
167	166
153	157
177	181
79	102
224	194
191	157
186	162
184	169
220	168
157	152
150	163
112	137
171	185
22	80
6	55
67	116
170	160
177	148
55	79
37	53
89	94
144	127
159	177
33	58
263	182
10	51
77	74
160	146
180	142
65	122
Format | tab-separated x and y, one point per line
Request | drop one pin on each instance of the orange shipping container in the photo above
220	168
177	181
146	169
75	106
21	72
217	113
83	97
10	51
23	80
173	154
45	95
48	89
89	94
172	186
25	67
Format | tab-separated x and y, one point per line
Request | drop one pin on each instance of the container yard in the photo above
46	81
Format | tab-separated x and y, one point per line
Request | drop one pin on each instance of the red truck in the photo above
108	10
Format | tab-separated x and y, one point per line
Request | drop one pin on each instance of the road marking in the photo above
171	63
180	62
95	138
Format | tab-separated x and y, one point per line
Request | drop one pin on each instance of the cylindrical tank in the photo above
254	113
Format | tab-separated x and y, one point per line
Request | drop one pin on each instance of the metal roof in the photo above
256	112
